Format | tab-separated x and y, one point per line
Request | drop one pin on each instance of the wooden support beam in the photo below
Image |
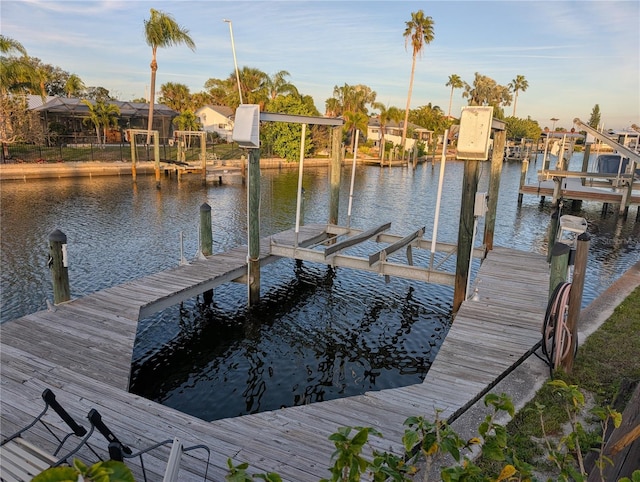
383	253
358	238
397	270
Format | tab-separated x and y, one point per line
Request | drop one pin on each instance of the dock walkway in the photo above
82	351
572	189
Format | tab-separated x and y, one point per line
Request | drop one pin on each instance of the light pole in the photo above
235	62
553	119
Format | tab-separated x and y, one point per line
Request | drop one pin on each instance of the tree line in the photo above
21	73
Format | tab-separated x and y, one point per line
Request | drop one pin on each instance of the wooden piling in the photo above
132	143
253	187
559	265
334	175
156	156
499	139
523	178
553	232
206	242
58	263
465	231
575	296
206	237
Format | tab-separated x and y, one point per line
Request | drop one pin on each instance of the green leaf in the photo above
57	474
118	471
410	439
361	437
492	450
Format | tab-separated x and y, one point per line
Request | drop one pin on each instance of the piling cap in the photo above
205	207
58	236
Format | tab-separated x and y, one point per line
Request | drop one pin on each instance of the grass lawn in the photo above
606	369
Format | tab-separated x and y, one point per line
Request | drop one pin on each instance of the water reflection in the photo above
319	333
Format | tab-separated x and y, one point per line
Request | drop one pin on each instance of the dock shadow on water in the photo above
318	335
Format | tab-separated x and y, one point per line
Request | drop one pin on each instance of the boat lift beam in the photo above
632	155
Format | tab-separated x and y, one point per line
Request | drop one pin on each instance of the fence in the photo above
121	152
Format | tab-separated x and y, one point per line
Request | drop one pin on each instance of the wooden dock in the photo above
82	351
572	189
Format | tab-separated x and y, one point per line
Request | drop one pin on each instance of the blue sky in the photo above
573	54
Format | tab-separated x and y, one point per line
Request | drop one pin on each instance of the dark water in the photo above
318	334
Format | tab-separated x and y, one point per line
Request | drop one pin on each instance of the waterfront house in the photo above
66	116
218	119
393	133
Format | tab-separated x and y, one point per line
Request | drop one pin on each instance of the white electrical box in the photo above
480	207
246	127
475	130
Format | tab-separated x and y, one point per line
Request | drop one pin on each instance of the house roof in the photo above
375	122
223	110
75	106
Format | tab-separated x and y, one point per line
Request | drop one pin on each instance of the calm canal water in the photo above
318	334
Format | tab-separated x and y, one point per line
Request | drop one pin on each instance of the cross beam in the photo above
383	253
358	238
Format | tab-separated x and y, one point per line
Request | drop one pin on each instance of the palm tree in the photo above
253	83
102	114
161	30
175	96
187	121
419	32
74	86
455	82
16	74
355	121
516	85
386	115
277	85
9	46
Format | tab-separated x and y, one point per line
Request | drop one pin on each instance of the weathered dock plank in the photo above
82	350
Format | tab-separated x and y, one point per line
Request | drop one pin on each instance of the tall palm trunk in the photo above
406	112
450	102
152	94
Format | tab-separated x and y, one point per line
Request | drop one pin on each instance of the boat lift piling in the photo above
246	132
476	124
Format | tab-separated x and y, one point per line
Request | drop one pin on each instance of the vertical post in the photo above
156	155
253	222
334	175
300	177
575	296
465	231
206	237
553	231
585	161
203	155
132	142
499	139
58	263
557	189
523	177
559	265
353	178
443	162
206	242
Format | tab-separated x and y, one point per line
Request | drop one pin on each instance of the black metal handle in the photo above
96	420
50	399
